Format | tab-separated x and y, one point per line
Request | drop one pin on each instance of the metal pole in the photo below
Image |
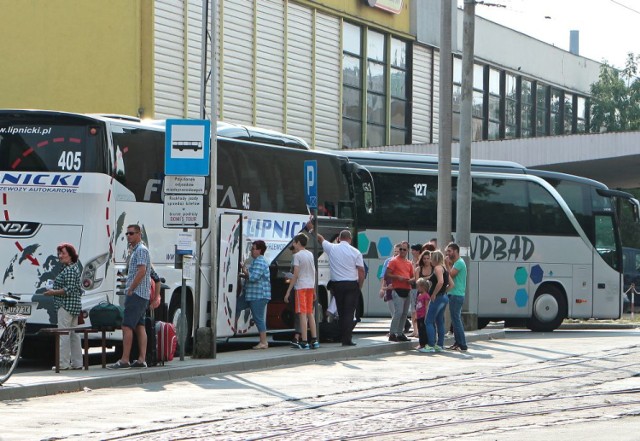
197	295
444	142
213	194
316	303
463	200
182	324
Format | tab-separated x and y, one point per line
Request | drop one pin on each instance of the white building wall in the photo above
422	94
328	66
270	60
237	86
299	71
168	59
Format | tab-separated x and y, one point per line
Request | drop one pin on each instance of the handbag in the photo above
106	315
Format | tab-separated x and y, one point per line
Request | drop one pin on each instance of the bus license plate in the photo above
17	309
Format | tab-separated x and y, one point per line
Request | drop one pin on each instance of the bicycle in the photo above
13	322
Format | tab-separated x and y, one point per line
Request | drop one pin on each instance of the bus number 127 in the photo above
421	189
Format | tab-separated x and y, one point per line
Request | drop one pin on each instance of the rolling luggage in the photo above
167	341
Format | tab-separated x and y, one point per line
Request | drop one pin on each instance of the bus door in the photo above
607	273
231	320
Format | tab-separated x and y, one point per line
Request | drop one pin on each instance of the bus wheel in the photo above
549	309
483	322
174	317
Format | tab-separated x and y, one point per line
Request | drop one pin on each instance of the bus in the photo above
67	177
545	246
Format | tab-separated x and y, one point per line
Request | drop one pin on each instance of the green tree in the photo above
615	98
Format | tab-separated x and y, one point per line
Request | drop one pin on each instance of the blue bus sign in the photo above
187	147
311	183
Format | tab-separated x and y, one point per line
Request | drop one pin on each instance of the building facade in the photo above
338	73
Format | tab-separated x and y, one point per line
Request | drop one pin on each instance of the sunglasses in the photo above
402	249
130	233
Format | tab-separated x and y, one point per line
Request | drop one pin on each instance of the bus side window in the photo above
140	162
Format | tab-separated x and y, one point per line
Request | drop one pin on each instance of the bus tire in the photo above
483	322
174	315
549	309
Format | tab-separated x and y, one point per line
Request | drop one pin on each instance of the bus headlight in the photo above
89	273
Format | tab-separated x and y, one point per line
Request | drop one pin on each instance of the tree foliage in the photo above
615	98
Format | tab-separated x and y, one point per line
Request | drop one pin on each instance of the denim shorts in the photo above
135	308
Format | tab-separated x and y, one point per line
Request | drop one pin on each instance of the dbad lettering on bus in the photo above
519	248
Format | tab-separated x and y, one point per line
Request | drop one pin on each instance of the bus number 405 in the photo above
70	160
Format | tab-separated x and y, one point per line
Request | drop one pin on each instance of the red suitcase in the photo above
167	341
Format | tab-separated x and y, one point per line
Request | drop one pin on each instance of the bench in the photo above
86	330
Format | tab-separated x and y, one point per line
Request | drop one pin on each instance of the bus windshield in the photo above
50	147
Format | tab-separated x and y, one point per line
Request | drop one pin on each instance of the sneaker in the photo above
393	337
462	348
53	368
295	344
407	326
139	364
315	345
305	346
427	350
119	365
453	347
402	337
438	348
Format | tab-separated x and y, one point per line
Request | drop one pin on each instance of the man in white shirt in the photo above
304	281
347	276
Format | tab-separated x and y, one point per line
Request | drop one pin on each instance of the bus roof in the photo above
422	160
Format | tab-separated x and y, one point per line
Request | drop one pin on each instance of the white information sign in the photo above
184	184
184	211
188	267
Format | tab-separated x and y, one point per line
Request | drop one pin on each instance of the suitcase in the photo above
167	341
330	331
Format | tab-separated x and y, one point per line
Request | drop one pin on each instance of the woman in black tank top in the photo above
435	314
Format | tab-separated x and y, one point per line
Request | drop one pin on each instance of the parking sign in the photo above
311	183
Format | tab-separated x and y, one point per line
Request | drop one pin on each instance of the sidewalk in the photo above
41	383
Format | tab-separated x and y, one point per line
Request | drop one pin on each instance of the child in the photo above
422	302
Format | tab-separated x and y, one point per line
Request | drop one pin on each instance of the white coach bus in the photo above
544	246
82	179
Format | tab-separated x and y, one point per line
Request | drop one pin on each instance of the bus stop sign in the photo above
311	183
187	147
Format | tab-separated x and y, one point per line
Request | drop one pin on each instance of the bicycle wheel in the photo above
10	348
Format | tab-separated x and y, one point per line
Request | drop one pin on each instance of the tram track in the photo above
514	375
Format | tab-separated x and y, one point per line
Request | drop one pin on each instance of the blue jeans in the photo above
435	319
258	312
455	309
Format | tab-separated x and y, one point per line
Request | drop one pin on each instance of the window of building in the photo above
581	114
399	102
568	113
542	107
376	86
526	108
494	104
384	117
477	123
351	87
510	105
556	123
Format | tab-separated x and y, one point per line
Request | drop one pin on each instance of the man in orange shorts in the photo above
304	282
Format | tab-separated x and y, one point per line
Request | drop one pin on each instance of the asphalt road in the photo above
573	384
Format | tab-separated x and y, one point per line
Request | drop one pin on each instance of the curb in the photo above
96	378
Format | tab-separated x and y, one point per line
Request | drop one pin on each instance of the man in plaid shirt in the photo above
136	302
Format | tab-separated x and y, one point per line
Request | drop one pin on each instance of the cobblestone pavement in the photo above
539	383
593	385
